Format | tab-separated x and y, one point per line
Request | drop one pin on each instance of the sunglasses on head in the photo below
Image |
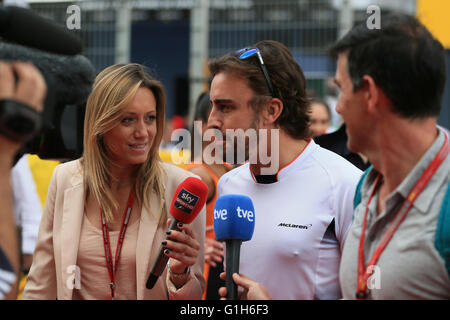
250	52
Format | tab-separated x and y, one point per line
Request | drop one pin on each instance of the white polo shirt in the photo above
27	206
293	252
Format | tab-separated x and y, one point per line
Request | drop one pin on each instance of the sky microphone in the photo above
234	222
188	199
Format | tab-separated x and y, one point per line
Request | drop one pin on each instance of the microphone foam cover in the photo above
189	198
71	77
30	29
234	217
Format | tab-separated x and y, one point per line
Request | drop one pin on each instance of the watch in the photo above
178	275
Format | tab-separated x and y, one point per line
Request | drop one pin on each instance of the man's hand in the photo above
213	250
23	82
252	290
30	87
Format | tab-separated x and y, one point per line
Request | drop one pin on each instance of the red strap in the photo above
365	272
108	255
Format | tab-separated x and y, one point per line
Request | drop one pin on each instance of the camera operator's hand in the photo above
30	87
23	82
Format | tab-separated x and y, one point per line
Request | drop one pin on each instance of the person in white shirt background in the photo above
27	209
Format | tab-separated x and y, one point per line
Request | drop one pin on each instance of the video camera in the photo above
55	51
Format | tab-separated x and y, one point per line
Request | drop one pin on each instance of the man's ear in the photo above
374	95
271	111
370	94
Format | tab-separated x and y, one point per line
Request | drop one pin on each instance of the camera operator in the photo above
22	82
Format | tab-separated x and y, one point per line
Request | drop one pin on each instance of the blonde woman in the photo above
118	189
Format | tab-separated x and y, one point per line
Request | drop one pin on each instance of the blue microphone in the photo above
234	222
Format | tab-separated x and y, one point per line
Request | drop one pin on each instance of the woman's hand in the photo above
182	247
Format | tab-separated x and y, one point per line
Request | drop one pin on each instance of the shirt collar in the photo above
284	171
424	200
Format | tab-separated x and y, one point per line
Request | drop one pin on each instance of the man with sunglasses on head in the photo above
303	196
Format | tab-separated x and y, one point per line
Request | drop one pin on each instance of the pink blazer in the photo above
52	273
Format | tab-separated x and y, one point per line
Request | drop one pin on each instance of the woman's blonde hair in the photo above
113	90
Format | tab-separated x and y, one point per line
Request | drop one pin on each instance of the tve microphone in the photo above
25	27
234	222
189	198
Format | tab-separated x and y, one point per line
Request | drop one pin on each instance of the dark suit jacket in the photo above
337	142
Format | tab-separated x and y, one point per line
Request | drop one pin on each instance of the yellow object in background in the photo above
176	157
434	15
22	283
42	171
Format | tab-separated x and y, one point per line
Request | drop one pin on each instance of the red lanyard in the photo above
108	255
365	272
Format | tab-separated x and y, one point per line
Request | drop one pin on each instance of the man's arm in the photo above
7	276
30	89
8	233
